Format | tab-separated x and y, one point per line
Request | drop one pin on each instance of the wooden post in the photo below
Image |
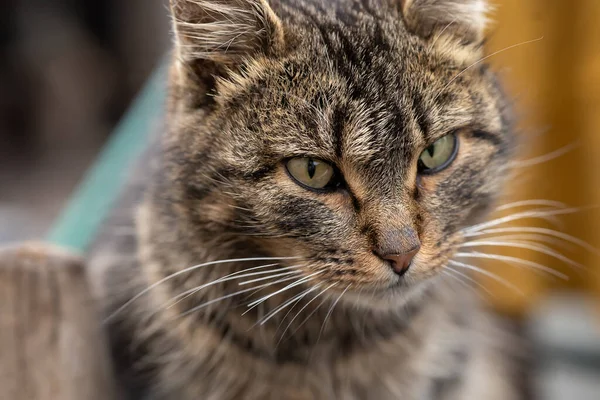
51	343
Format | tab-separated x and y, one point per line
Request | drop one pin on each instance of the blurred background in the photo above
68	71
70	68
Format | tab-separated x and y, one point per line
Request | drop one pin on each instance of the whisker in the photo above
452	272
239	208
299	282
329	312
264	235
483	59
529	238
534	265
447	275
228	296
284	305
317	307
535	247
235	275
544	231
268	277
518	216
224	182
300	312
286	314
531	202
309	315
488	274
186	270
544	158
435	39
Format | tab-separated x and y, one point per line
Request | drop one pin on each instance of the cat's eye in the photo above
439	155
312	173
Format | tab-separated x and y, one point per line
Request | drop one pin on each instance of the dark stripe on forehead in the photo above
340	116
325	30
402	147
351	48
421	115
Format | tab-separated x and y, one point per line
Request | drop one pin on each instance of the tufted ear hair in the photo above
466	19
215	36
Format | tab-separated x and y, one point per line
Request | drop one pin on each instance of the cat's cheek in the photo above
427	188
216	208
435	249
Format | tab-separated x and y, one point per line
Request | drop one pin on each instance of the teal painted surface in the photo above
90	204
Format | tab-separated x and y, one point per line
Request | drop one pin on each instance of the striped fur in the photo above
357	83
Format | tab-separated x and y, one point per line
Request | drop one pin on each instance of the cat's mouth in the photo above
394	287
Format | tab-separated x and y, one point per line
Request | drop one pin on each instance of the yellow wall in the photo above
556	83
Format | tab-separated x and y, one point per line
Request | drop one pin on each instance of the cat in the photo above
319	163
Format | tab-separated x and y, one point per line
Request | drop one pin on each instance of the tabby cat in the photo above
319	164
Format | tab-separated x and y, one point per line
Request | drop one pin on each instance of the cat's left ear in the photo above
465	19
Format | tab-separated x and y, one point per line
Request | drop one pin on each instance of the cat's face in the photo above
360	147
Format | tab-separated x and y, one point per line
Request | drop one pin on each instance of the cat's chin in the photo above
386	299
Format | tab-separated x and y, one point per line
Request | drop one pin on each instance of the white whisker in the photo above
299	282
284	305
532	202
488	274
186	270
544	158
268	277
314	311
436	38
451	272
448	275
534	265
518	216
329	312
288	313
235	275
535	247
483	59
300	312
543	231
228	296
529	238
239	208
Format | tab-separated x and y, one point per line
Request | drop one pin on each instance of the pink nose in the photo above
401	262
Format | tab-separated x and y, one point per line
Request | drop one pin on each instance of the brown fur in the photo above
365	85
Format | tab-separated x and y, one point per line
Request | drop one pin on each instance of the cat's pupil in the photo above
312	168
431	150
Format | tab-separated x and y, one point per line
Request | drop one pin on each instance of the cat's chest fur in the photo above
435	361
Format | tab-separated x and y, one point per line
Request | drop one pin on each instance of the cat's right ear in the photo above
464	19
213	37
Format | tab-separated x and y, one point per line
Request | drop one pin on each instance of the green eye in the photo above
439	155
312	173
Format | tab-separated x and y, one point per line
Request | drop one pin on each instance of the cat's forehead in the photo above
384	104
381	74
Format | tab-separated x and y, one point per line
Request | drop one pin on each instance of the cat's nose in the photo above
398	247
401	262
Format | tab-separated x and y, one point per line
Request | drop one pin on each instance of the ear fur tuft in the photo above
223	31
464	18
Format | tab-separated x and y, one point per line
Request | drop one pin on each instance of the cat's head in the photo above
359	136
